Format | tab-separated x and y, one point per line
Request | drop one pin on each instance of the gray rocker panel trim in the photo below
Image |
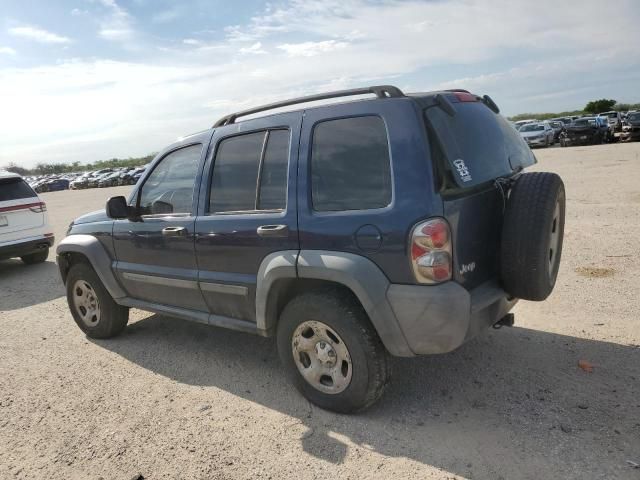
191	315
90	247
367	282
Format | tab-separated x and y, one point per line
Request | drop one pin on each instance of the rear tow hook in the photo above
507	321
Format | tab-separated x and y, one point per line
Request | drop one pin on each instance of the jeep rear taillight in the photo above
38	207
431	251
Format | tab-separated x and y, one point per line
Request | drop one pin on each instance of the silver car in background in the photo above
537	134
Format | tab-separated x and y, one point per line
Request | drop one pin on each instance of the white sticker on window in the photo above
463	171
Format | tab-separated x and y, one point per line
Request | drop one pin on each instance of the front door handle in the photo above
273	231
174	231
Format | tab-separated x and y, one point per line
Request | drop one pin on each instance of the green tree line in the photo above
56	168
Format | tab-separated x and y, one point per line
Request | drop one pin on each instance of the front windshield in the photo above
611	114
635	117
532	128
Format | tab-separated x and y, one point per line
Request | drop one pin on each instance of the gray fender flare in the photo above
90	247
357	273
274	267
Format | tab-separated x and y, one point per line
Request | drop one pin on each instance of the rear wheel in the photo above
93	309
37	257
331	352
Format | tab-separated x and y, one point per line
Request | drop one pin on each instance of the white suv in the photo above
24	226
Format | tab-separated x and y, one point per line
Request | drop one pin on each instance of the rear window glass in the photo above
15	189
478	144
350	165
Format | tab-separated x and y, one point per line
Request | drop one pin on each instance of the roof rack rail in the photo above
381	91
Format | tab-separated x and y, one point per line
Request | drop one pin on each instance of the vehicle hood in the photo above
97	216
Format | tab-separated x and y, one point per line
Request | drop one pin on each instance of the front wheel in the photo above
331	352
91	305
37	257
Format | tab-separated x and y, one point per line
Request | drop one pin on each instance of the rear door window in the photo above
478	144
350	165
15	189
250	173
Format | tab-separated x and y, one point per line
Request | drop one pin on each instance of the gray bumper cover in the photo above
440	318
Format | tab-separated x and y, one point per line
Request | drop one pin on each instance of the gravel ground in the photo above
172	399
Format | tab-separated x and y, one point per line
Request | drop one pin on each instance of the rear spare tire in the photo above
532	235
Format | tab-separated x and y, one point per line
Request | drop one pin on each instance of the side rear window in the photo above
350	165
15	189
478	144
250	173
169	188
272	194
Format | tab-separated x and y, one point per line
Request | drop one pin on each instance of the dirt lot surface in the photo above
172	399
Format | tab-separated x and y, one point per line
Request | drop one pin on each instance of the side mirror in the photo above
117	208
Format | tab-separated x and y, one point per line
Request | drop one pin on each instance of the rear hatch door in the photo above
20	209
475	150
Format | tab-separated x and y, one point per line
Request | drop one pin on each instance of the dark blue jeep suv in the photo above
401	224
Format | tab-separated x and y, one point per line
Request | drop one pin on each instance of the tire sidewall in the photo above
109	323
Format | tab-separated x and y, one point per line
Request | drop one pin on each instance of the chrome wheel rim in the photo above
85	301
322	357
554	242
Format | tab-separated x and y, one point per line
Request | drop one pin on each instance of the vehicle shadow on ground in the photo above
511	404
23	285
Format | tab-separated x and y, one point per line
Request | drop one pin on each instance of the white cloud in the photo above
76	12
117	26
7	51
191	41
311	49
255	49
38	35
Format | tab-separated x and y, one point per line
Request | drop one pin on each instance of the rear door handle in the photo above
273	231
174	231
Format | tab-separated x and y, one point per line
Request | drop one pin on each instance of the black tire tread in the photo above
37	257
524	263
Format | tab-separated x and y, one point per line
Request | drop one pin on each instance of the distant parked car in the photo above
520	123
110	180
95	179
565	120
52	185
586	131
537	134
614	119
558	127
631	127
24	227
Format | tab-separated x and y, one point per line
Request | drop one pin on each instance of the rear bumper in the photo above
440	318
536	142
26	247
632	134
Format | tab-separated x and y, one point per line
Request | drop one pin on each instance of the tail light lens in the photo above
431	251
39	207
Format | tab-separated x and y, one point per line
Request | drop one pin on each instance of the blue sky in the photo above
83	80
